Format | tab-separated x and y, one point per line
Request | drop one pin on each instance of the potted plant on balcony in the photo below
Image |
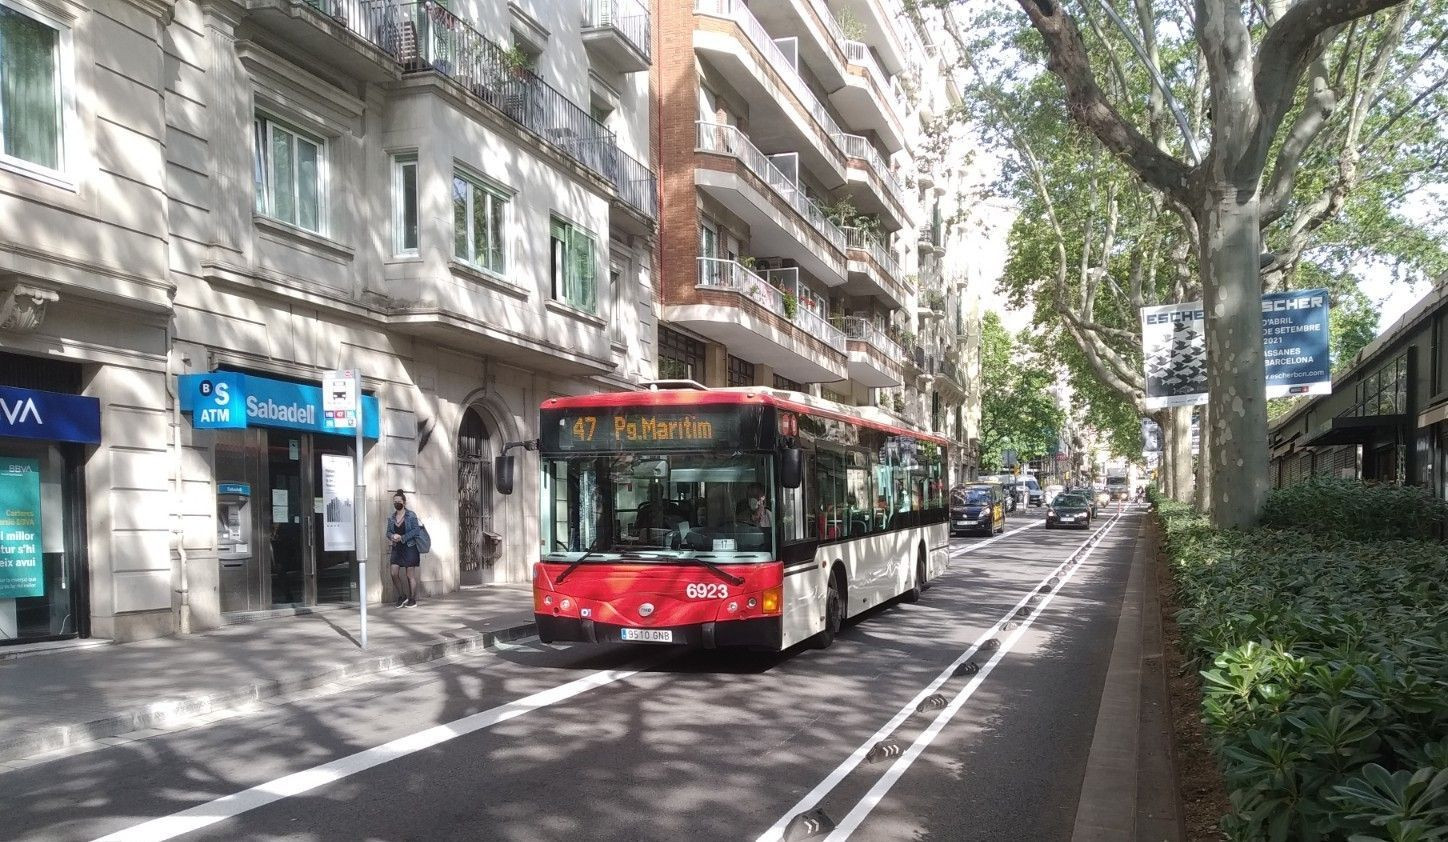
850	26
515	60
791	305
899	403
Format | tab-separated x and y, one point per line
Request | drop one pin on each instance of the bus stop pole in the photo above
359	513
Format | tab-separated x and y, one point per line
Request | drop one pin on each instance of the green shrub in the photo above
1356	511
1325	671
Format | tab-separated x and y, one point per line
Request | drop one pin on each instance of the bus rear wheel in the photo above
912	594
834	613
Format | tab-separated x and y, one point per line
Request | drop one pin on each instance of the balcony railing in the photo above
864	330
859	55
861	149
859	238
721	139
715	273
629	18
377	21
434	39
738	12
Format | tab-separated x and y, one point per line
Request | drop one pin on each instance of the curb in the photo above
159	714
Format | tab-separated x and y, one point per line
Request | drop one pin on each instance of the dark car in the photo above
1088	493
979	507
1069	510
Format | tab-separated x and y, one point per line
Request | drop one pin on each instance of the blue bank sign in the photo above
232	400
1295	343
33	414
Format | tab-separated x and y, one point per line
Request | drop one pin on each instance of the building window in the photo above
937	416
741	373
404	204
479	217
680	357
31	102
575	266
288	171
788	385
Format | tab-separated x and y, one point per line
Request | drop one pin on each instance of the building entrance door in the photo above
288	516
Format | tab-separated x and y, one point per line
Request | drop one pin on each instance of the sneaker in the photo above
401	601
411	603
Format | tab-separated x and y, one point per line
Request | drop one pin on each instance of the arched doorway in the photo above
478	543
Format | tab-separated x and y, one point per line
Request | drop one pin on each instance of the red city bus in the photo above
728	517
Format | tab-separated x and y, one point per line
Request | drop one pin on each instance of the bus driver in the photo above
751	509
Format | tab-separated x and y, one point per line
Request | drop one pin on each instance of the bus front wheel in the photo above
834	613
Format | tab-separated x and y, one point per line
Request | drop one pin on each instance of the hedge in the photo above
1323	648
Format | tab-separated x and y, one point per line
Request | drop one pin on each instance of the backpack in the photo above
422	541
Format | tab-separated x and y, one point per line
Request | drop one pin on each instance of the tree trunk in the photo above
1236	378
1177	458
1204	465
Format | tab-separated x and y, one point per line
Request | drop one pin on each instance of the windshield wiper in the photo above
715	569
574	566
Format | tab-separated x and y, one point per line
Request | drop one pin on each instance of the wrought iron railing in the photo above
862	240
864	330
861	149
738	12
716	273
431	38
629	18
377	21
722	139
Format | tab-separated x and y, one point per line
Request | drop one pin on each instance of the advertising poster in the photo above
1173	338
337	509
1295	340
21	564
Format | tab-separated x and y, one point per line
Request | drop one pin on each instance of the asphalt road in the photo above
534	742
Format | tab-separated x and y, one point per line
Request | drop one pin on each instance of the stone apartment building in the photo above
208	198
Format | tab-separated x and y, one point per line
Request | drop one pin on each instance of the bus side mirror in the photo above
503	474
791	468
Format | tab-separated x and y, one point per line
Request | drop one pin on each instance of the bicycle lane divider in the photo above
812	799
297	783
877	793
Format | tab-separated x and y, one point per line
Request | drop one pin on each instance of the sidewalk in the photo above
1130	791
59	699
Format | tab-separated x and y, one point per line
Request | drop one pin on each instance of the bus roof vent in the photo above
655	385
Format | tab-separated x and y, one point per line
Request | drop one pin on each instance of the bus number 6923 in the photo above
702	591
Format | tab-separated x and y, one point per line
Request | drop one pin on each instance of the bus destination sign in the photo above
643	428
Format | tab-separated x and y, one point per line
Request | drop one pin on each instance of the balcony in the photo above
785	113
869	99
745	312
878	190
887	29
874	358
433	39
616	34
873	270
782	219
360	37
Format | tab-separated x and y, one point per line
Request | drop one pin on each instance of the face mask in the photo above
398	506
755	503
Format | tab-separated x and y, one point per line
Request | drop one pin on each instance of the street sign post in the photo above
342	408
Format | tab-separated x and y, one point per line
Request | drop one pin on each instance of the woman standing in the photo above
402	529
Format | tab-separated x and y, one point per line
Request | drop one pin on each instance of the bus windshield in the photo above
658	506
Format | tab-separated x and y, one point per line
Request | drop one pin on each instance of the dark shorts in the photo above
405	556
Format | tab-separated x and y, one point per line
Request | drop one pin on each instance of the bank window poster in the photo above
21	562
338	507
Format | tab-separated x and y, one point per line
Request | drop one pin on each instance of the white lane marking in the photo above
220	809
970	548
776	832
877	792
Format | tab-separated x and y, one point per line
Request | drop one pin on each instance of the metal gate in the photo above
477	542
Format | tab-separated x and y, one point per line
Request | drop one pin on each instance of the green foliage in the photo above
791	305
1017	411
1348	509
1325	661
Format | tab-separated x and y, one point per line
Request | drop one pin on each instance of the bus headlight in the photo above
770	601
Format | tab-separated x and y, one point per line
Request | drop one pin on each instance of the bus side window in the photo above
792	517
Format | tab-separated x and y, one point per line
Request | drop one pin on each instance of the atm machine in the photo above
234	549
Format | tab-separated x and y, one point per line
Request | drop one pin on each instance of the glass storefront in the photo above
43	444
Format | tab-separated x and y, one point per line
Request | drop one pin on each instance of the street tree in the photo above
1018	412
1354	148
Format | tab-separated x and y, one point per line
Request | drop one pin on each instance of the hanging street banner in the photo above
21	563
1173	338
1294	339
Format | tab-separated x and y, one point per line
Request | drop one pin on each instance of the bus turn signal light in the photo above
771	601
